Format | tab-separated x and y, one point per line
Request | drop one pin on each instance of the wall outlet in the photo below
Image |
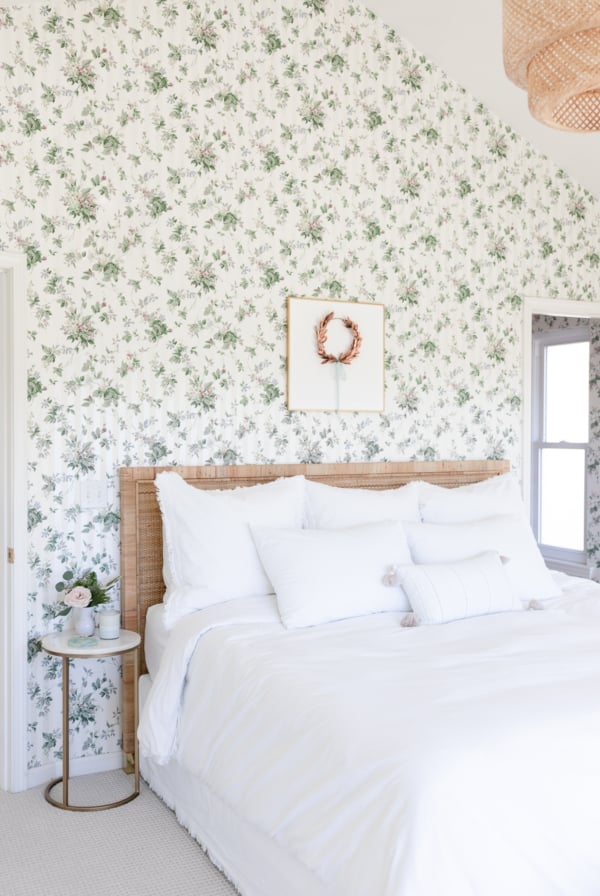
93	493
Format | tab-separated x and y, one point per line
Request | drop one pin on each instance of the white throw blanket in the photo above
451	760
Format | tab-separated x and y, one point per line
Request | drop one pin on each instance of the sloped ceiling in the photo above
464	38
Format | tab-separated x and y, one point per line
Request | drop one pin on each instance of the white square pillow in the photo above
441	592
320	575
209	554
332	507
509	536
498	496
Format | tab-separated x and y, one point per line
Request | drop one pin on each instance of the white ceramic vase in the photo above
84	620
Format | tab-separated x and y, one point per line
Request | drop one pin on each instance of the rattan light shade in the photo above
552	49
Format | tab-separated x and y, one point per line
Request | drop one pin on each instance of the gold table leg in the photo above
64	804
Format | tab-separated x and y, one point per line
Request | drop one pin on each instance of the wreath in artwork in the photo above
350	354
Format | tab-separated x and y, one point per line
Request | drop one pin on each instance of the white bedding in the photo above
156	635
449	759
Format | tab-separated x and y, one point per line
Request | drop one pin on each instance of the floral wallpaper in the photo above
175	170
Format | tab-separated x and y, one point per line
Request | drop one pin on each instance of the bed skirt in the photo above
256	865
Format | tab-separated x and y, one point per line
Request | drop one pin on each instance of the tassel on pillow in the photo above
391	577
410	620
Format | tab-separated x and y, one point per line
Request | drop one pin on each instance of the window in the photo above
561	362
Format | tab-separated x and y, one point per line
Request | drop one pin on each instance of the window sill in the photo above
581	570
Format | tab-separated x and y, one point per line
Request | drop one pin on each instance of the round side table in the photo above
68	645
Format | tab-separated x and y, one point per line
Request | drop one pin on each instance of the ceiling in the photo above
464	38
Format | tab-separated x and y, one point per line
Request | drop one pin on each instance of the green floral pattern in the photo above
173	171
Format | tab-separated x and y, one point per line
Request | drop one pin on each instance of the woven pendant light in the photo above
552	49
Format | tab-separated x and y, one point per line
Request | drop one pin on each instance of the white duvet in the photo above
451	760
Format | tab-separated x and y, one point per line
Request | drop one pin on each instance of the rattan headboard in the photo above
141	527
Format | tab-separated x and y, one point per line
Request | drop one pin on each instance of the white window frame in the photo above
555	307
557	557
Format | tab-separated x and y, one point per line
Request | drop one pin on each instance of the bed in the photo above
317	748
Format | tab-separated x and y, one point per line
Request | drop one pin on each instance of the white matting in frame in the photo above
334	386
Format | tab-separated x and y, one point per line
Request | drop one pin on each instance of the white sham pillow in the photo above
321	575
209	555
509	536
333	507
498	496
442	592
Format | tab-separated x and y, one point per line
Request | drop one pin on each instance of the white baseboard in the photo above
87	765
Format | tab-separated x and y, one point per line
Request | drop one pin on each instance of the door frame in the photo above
555	308
13	522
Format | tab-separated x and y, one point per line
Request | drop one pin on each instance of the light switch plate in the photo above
93	493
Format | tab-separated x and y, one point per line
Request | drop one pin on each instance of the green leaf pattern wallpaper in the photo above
173	171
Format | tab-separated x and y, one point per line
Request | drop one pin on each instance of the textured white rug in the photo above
135	849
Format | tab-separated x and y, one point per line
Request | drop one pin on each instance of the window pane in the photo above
563	498
567	392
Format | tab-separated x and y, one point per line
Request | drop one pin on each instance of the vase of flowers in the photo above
82	594
85	624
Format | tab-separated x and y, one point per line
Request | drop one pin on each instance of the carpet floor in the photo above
135	849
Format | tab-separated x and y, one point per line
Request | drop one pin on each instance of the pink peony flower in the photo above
78	597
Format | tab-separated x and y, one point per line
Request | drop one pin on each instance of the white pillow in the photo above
441	592
324	574
209	554
510	536
498	496
332	507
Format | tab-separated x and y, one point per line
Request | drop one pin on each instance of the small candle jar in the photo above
109	624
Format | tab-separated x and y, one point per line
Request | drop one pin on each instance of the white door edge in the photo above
13	523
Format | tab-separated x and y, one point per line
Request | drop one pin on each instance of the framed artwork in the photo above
335	356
